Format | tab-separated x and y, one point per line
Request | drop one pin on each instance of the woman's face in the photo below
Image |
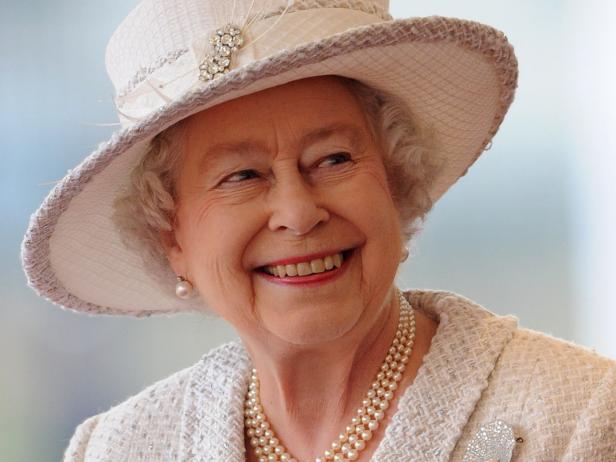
278	179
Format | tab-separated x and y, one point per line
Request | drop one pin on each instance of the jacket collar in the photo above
212	426
449	383
431	414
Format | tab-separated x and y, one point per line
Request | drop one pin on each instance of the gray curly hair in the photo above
148	206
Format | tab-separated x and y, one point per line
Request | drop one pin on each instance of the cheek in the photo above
369	202
385	217
217	236
370	207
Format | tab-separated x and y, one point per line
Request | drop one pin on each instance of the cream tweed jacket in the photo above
560	399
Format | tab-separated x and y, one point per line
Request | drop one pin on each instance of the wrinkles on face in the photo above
348	176
379	176
237	196
307	176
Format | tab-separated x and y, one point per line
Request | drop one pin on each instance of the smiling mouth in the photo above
306	268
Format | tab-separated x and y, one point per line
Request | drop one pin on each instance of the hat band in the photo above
178	72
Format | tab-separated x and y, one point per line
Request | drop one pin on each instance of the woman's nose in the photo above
294	206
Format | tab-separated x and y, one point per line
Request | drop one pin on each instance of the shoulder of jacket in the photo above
567	396
110	435
545	368
126	426
169	390
557	353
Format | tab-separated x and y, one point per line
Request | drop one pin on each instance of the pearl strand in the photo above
368	417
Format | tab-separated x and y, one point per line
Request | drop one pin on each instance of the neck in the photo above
309	394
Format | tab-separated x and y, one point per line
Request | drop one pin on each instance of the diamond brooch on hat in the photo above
225	42
493	442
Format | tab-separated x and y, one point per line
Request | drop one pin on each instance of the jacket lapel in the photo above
213	412
434	409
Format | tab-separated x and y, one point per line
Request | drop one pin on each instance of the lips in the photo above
301	267
306	268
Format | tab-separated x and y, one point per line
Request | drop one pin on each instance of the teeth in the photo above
337	260
318	265
303	269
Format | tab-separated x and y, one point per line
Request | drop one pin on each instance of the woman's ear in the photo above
174	252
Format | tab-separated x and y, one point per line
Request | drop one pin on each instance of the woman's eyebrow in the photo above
351	131
249	146
243	148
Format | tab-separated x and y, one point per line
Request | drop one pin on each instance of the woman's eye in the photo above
239	177
334	159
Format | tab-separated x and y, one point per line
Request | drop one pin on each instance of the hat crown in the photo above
157	31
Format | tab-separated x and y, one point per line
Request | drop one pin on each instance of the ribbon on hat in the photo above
208	57
205	57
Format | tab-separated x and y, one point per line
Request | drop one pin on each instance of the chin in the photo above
312	325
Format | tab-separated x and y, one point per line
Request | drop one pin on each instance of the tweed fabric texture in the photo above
457	76
559	398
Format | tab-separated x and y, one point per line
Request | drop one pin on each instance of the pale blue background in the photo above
507	235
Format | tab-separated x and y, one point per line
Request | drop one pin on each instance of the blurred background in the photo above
529	231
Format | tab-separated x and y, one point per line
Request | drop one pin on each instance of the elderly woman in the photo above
276	161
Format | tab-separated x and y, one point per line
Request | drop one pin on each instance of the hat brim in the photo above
457	76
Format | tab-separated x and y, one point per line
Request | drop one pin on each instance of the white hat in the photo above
170	59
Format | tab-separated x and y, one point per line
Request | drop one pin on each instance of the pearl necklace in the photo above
368	417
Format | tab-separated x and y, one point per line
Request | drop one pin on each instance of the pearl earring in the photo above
405	254
183	288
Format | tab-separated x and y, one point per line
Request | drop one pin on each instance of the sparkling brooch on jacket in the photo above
225	42
493	442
